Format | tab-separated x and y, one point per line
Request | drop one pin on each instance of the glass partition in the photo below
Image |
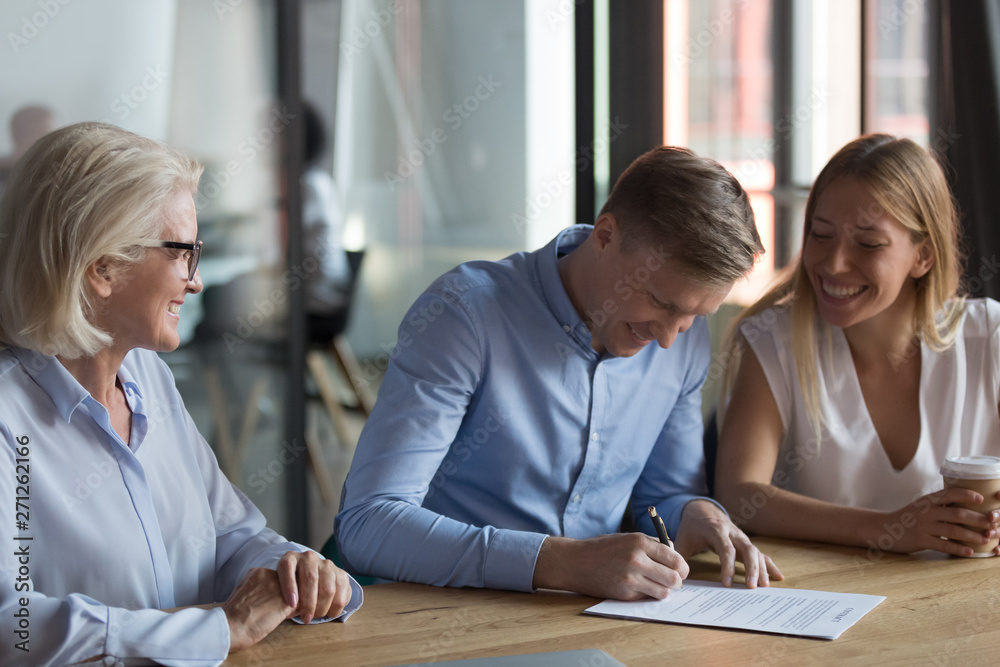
200	77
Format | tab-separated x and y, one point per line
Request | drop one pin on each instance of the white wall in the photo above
88	60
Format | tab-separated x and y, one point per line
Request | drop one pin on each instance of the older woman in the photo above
120	521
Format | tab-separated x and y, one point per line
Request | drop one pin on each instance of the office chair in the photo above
326	335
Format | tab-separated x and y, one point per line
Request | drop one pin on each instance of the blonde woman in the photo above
140	548
864	368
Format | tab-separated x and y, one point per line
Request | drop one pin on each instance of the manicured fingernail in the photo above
294	601
727	581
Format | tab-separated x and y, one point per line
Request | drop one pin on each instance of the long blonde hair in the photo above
910	186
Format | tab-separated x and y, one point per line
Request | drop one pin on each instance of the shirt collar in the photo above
552	286
129	384
66	393
59	384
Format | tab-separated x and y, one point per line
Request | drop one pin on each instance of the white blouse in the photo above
848	466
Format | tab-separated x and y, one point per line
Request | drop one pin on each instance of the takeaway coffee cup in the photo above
982	475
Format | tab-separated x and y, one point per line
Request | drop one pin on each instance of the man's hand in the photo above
255	608
705	526
625	566
312	586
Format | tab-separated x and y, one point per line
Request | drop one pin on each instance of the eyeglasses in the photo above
192	254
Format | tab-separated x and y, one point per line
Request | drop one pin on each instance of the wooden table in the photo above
939	611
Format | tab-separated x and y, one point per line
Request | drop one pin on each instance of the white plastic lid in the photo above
971	467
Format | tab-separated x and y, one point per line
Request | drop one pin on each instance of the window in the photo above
896	68
718	101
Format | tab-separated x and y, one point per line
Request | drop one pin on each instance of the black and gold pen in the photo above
661	530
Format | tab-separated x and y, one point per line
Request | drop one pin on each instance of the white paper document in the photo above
786	611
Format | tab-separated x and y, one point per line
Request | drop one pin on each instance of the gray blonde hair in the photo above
81	193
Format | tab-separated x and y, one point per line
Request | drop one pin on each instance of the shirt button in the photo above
593	436
576	498
566	328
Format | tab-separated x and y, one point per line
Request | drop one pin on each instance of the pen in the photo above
661	530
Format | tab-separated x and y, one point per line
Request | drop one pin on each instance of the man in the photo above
526	406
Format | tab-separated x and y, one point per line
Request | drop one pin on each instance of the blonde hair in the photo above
908	185
81	193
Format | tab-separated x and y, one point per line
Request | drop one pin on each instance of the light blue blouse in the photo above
97	536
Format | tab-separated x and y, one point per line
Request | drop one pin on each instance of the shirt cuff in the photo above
357	599
186	638
671	510
510	560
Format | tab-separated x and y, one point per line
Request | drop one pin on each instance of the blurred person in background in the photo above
27	125
328	287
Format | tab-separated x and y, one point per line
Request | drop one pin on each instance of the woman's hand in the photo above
923	523
304	585
255	608
313	587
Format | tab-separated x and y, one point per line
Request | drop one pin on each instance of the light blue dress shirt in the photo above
113	533
498	424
